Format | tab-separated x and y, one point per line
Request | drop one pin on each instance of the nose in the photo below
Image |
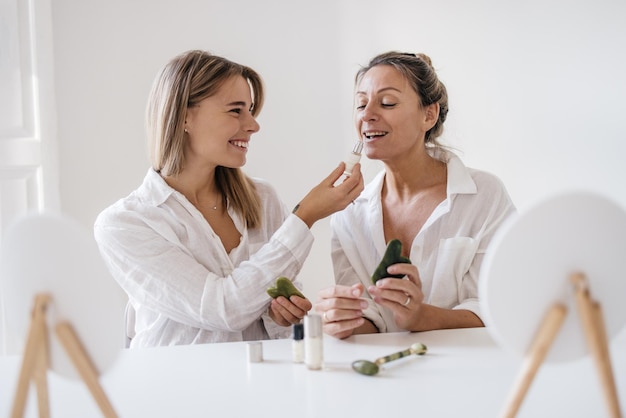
368	113
250	124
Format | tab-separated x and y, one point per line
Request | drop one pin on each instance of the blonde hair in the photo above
419	72
183	83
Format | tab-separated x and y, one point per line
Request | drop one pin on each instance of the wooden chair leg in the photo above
595	334
32	355
606	372
41	379
534	357
85	366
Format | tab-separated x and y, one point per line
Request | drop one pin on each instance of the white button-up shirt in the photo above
182	284
447	251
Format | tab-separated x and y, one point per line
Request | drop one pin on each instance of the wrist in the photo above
302	213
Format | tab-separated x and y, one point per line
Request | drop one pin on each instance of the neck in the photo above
199	188
413	175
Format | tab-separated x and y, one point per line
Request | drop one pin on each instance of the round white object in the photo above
49	253
528	266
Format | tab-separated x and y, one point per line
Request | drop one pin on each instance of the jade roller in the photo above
370	368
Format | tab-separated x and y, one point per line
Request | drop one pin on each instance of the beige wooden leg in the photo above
595	333
85	366
41	378
32	356
534	357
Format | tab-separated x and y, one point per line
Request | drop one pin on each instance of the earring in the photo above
185	130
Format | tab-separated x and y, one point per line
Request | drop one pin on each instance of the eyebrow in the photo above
241	104
382	90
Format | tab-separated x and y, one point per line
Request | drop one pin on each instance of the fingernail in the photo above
363	304
356	293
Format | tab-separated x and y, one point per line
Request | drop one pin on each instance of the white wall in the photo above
536	89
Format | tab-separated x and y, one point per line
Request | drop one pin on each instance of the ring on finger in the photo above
408	300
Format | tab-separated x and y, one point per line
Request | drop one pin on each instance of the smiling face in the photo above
219	127
389	116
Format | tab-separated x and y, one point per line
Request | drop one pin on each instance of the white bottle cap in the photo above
312	326
255	352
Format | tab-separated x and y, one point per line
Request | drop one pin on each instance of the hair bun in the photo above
425	58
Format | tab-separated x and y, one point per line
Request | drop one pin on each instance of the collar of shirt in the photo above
459	178
154	190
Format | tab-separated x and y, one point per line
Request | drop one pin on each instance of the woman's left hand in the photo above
286	312
403	297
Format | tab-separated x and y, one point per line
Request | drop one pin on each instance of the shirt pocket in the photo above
454	259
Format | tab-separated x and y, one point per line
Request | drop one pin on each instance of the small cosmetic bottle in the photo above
313	344
255	352
353	158
297	344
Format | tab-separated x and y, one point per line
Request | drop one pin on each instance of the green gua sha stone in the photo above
393	255
285	288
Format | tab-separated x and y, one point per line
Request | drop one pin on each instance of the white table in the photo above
464	374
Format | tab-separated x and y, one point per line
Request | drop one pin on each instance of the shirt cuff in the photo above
274	331
296	236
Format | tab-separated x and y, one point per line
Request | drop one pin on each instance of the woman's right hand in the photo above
341	308
327	198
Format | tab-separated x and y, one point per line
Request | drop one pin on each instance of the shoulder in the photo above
487	182
266	191
492	199
262	186
138	205
273	208
476	188
128	210
468	180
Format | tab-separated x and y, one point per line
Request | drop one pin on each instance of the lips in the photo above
370	135
239	143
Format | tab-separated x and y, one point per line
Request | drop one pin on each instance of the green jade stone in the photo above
284	287
393	255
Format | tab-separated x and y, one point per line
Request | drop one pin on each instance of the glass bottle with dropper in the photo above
354	157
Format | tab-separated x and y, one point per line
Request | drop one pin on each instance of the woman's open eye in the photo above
236	110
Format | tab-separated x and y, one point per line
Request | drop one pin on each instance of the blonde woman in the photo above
198	243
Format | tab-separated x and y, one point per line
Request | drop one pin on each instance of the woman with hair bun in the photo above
443	213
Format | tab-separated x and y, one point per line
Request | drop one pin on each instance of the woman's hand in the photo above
403	297
286	312
327	198
341	308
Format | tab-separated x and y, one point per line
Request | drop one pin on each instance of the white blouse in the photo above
181	283
447	251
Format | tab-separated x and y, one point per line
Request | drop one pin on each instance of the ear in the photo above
431	115
189	119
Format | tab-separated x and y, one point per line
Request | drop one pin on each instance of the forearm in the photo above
368	327
432	317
